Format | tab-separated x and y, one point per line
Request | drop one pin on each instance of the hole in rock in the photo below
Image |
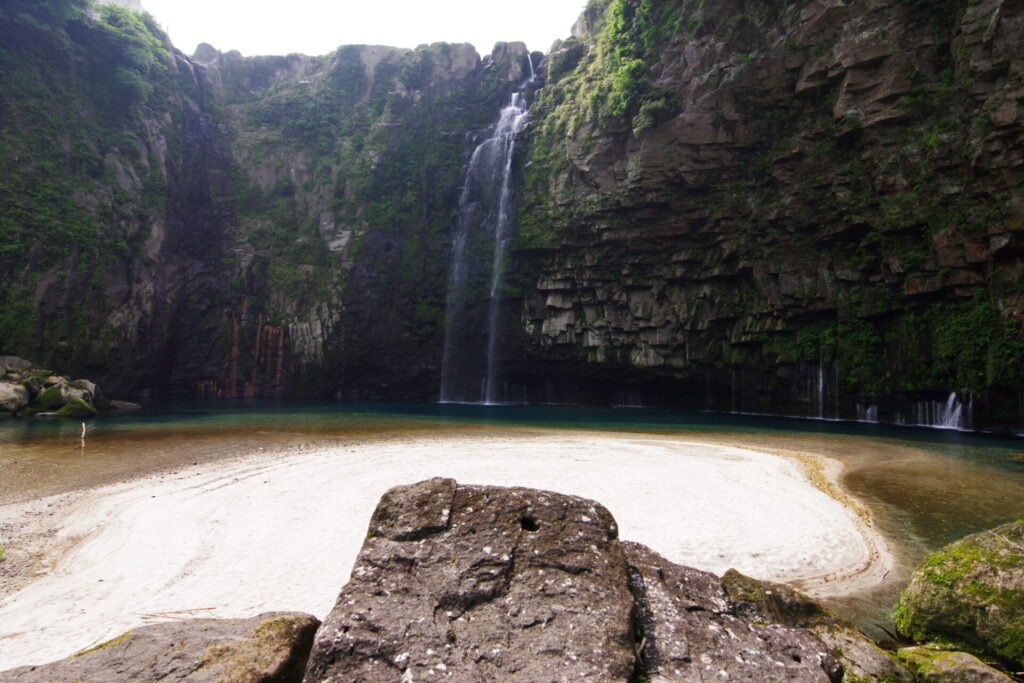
796	658
529	524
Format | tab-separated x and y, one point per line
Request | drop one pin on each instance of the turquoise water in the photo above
924	487
324	414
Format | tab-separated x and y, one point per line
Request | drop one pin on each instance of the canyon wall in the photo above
229	226
809	207
813	208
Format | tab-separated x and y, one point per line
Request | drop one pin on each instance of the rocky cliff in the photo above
230	226
115	176
807	207
811	207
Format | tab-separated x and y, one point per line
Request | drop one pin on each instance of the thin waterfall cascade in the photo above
822	386
867	412
485	224
953	413
629	399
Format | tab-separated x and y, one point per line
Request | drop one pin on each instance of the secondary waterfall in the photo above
953	413
484	220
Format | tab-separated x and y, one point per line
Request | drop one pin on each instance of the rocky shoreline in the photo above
27	389
475	583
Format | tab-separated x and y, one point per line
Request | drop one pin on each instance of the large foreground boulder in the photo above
971	592
269	648
477	583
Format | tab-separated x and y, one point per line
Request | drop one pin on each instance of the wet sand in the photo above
279	529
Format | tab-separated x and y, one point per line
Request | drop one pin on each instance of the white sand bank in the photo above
266	532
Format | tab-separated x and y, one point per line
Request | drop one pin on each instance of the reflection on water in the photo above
924	487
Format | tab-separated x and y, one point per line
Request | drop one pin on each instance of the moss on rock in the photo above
970	592
113	642
49	399
935	664
773	603
276	650
77	408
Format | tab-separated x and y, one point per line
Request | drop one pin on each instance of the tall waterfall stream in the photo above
485	217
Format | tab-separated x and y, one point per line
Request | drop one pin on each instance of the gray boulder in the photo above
762	602
269	648
13	397
971	592
478	583
689	633
15	364
934	664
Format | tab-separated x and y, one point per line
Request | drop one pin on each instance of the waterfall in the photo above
951	416
867	412
953	413
821	388
819	385
485	216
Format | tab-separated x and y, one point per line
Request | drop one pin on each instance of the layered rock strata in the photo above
799	208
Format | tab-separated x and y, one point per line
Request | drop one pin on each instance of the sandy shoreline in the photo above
281	530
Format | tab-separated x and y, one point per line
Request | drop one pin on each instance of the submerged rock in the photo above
971	591
269	648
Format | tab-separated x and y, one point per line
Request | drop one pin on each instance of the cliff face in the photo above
352	165
810	208
113	176
231	226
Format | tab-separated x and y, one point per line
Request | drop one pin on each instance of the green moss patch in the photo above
49	398
77	408
934	663
113	642
970	592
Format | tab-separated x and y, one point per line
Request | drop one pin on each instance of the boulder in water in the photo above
27	389
78	407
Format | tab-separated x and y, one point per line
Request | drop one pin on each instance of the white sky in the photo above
316	27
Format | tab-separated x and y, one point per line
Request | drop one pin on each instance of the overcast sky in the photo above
316	27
